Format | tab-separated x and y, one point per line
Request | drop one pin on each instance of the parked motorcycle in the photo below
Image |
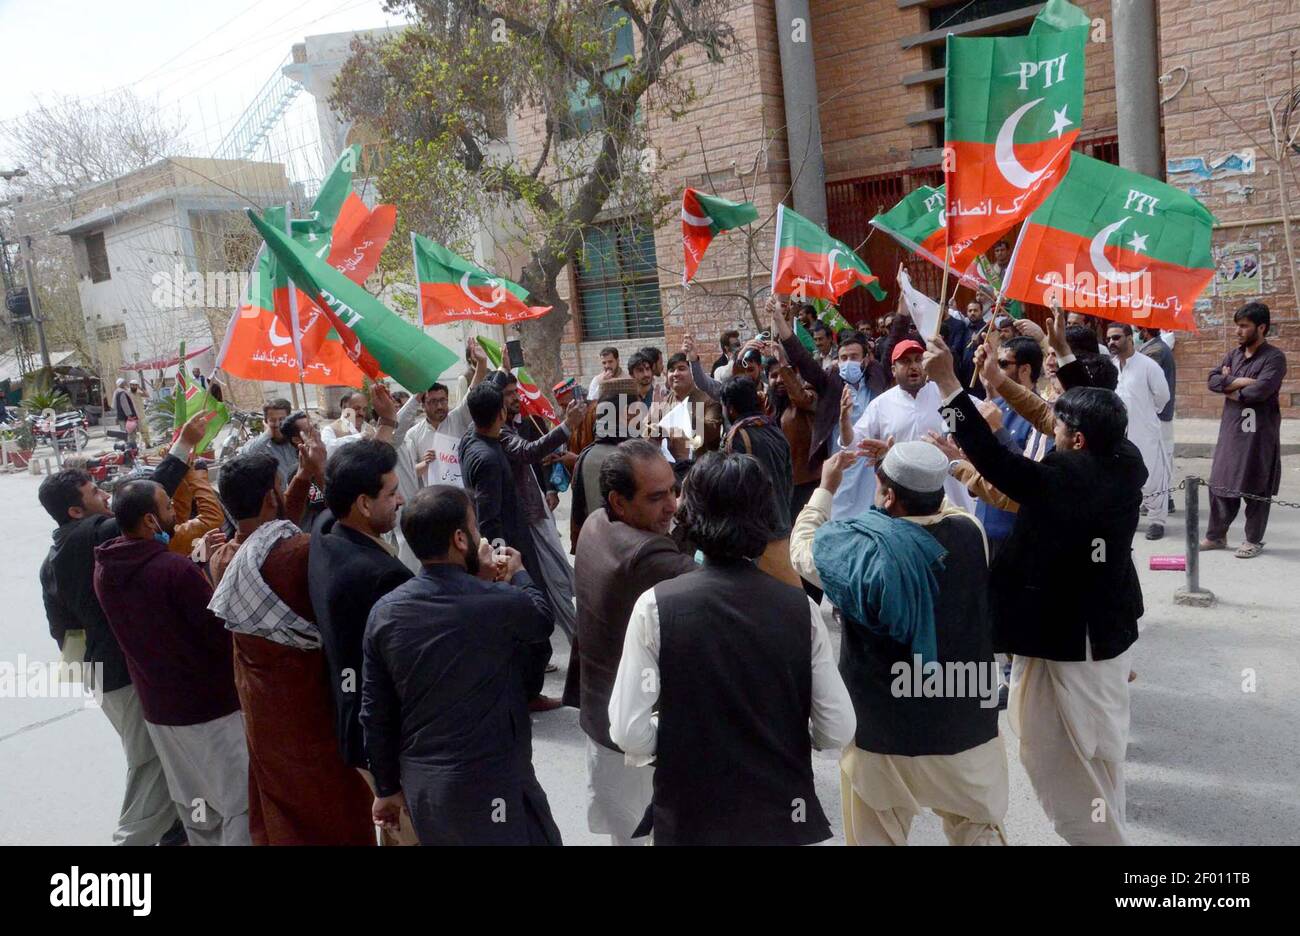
70	430
109	470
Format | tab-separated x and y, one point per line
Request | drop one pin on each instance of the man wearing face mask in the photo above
179	657
851	385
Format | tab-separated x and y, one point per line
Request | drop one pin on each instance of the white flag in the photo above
923	310
679	417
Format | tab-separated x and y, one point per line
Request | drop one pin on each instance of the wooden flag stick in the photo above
997	307
943	291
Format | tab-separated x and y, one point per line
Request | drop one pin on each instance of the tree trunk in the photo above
542	340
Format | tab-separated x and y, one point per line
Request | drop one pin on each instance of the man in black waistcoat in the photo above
736	663
925	683
1065	597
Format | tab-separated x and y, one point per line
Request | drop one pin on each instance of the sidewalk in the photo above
1195	438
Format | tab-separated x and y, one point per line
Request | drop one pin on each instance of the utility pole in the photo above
29	268
1137	85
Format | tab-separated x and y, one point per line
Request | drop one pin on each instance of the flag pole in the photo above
997	307
943	290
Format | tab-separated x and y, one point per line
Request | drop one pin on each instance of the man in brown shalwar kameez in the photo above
1248	456
300	792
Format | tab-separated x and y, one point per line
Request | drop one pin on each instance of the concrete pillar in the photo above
1137	86
803	122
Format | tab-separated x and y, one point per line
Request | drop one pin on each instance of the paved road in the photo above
1208	763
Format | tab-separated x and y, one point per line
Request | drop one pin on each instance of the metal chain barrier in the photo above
1220	492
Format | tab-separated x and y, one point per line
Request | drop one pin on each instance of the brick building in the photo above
879	90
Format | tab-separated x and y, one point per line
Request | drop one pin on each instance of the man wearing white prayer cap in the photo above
910	577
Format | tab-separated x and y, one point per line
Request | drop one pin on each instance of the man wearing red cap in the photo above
904	413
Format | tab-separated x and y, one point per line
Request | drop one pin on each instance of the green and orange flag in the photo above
375	339
703	218
918	223
192	399
280	334
1013	109
1116	244
810	264
532	402
452	289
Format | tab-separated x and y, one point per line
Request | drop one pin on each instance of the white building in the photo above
150	255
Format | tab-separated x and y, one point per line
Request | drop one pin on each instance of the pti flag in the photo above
1117	244
918	223
259	342
810	264
192	399
453	289
531	401
375	339
703	218
1014	106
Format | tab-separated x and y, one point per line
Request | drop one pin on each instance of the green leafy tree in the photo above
529	117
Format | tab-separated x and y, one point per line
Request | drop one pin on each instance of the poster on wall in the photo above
1237	270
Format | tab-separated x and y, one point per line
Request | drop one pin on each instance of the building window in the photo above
584	113
618	283
97	258
951	15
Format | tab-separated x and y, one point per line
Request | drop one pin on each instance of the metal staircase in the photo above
260	118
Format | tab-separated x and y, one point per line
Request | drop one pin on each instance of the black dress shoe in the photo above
1156	531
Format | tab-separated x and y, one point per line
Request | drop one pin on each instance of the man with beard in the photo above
488	474
853	383
351	566
906	412
624	551
85	521
1069	557
300	791
1248	457
526	446
179	657
1145	393
443	698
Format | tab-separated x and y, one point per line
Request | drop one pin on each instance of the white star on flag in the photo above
1060	122
1139	242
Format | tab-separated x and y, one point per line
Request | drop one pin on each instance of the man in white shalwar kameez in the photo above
1145	392
906	412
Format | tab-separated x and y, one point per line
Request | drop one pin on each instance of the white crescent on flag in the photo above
1004	150
694	220
1097	254
497	289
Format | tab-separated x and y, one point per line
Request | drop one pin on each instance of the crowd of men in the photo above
342	637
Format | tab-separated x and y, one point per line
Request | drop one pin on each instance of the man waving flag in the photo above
703	218
1014	106
1117	244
